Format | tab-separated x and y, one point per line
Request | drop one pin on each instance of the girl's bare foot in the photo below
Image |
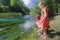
45	36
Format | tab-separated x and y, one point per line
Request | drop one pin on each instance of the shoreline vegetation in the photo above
10	15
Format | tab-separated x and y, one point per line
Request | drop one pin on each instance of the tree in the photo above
13	6
13	2
58	5
35	11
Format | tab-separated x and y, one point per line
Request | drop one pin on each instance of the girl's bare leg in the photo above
45	34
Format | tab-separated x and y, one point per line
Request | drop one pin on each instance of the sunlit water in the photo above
29	23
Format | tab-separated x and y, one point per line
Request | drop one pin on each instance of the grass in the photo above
16	34
10	15
29	36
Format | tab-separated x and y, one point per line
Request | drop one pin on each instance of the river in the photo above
27	25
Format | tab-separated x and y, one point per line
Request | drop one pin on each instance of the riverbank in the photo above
54	29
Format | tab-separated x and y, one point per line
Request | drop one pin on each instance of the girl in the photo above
43	21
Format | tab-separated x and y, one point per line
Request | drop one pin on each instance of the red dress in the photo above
45	23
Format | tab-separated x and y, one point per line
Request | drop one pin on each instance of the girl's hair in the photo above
43	3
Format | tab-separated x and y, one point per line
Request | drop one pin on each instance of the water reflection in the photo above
29	23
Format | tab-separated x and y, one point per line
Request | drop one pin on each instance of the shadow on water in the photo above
52	33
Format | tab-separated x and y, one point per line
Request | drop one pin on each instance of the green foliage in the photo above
35	11
10	15
13	33
59	8
30	36
13	6
13	2
23	7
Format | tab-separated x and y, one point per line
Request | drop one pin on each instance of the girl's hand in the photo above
41	21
